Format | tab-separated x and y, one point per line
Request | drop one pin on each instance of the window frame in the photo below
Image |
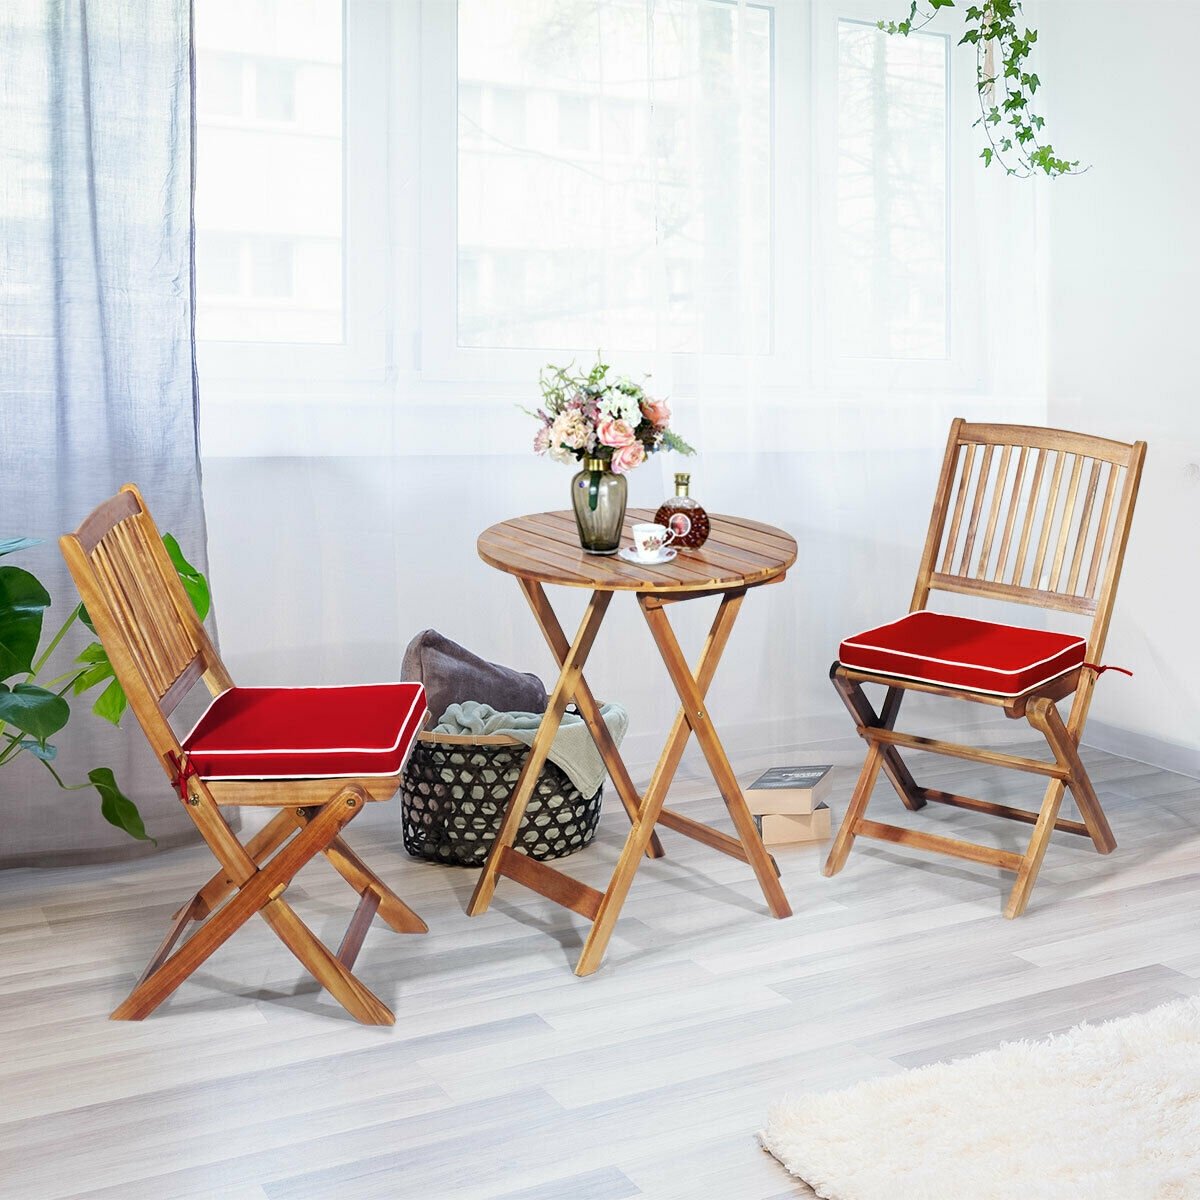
960	368
400	254
361	355
444	360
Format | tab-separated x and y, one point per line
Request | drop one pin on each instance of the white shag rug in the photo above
1104	1112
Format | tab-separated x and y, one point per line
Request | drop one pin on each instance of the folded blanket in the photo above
449	671
573	749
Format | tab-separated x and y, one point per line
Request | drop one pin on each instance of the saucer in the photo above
664	556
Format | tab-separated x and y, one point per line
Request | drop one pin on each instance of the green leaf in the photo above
115	807
86	620
111	703
936	4
12	545
88	679
42	750
672	441
33	710
23	603
193	581
987	154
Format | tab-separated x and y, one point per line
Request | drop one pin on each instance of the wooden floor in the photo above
506	1076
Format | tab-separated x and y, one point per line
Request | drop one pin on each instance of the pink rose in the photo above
614	433
626	458
657	412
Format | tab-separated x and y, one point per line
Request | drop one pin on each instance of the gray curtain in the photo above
97	367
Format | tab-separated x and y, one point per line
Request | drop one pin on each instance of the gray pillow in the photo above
452	674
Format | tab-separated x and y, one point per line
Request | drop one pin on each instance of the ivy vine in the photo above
1004	83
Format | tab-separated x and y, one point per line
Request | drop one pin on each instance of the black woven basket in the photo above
454	791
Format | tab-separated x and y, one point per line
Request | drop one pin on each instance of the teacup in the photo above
649	541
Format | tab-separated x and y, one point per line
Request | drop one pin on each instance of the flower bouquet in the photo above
608	425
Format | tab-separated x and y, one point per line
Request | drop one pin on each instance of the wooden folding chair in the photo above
1002	528
316	754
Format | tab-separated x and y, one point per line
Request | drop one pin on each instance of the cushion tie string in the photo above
1101	669
185	769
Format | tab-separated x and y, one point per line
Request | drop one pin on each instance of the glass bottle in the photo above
683	515
598	497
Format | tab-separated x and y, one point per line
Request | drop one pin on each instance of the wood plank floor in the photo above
508	1077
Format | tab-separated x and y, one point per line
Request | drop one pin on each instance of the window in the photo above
890	265
269	245
516	184
614	175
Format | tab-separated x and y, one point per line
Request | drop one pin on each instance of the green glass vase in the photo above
598	496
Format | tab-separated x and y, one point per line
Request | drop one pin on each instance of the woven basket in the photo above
454	791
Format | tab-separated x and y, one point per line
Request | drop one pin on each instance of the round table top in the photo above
545	547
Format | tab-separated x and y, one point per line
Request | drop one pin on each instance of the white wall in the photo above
1122	333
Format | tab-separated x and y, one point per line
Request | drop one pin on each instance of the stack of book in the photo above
788	804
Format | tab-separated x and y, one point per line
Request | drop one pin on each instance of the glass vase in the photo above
598	496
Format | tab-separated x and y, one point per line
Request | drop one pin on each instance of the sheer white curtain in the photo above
770	208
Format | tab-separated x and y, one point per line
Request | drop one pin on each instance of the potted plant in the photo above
1005	84
609	426
33	709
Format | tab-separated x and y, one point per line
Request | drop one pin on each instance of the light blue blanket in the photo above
573	749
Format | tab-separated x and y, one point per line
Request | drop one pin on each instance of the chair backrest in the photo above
155	641
1039	516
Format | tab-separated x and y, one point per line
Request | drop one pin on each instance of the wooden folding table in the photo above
544	549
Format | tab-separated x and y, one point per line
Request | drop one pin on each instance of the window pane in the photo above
221	95
275	92
614	174
274	194
271	267
890	264
222	257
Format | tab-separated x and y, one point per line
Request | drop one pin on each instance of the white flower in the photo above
617	406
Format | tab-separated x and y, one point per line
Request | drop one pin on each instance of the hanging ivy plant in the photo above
1004	83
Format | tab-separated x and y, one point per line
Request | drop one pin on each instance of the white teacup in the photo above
649	541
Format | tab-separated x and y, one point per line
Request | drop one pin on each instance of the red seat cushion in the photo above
978	656
307	732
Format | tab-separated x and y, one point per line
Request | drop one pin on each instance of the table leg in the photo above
664	772
589	709
691	693
564	689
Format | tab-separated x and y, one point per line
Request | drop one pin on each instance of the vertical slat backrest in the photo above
142	614
1039	516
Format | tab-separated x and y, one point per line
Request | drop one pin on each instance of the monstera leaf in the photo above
115	807
193	581
12	545
33	710
23	603
112	702
30	714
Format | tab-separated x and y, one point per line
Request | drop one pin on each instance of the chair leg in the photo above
262	888
1043	715
260	847
859	707
840	849
1027	874
361	878
333	975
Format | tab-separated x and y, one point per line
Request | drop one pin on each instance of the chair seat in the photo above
958	652
307	732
